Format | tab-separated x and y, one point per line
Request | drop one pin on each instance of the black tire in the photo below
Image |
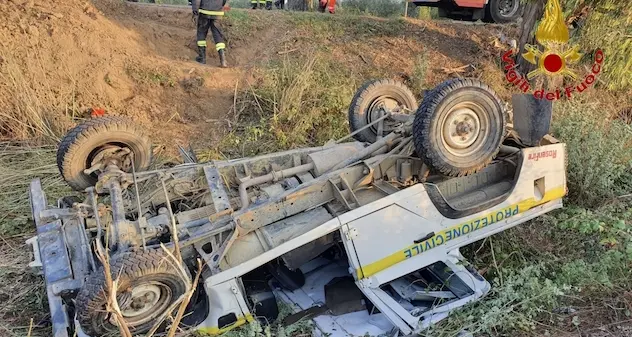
81	144
458	142
503	11
531	118
363	105
148	268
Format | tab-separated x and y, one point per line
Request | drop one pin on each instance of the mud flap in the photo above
531	118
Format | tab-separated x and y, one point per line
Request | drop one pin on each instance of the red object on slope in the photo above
97	112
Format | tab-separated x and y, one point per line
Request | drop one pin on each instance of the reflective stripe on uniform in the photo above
254	2
204	11
220	46
262	1
201	43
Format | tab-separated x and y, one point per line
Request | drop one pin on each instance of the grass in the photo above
324	26
154	76
34	110
21	292
19	164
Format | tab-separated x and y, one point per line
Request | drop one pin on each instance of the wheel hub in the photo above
465	129
462	128
110	154
144	302
380	107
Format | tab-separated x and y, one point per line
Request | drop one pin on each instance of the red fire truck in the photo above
499	11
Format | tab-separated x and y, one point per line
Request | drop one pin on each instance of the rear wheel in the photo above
147	286
375	98
459	127
98	140
503	11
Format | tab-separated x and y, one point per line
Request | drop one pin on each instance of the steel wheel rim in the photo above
385	104
145	302
508	8
464	129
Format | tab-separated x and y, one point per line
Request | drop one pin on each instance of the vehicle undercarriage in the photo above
394	205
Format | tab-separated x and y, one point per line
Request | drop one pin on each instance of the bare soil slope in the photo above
57	59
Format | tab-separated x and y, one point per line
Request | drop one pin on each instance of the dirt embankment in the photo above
60	58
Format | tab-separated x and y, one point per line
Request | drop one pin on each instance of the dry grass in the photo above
21	292
35	108
19	164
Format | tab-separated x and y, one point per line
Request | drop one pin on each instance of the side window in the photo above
428	288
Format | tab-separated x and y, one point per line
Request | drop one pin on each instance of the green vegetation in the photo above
383	8
150	75
607	26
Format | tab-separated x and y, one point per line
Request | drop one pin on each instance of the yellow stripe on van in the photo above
458	230
213	331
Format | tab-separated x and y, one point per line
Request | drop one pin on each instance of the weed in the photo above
151	75
418	78
599	153
324	26
240	24
299	102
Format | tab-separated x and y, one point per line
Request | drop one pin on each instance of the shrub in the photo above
383	8
599	153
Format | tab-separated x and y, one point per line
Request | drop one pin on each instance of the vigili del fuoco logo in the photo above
554	60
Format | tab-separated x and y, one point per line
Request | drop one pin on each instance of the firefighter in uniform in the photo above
207	12
329	5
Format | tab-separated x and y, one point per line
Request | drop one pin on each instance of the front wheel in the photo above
148	285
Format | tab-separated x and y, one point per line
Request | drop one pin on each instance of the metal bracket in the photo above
36	264
345	194
216	186
54	253
351	234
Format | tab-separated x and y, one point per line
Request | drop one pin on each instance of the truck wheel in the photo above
373	98
503	11
147	286
459	127
97	139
